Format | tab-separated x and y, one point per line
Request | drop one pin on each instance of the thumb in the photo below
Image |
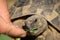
10	29
16	32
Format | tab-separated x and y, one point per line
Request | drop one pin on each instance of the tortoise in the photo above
32	10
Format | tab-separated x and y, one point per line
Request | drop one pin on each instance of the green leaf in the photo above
18	38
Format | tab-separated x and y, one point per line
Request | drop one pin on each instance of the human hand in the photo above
10	29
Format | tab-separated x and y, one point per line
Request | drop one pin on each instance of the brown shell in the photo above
48	9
